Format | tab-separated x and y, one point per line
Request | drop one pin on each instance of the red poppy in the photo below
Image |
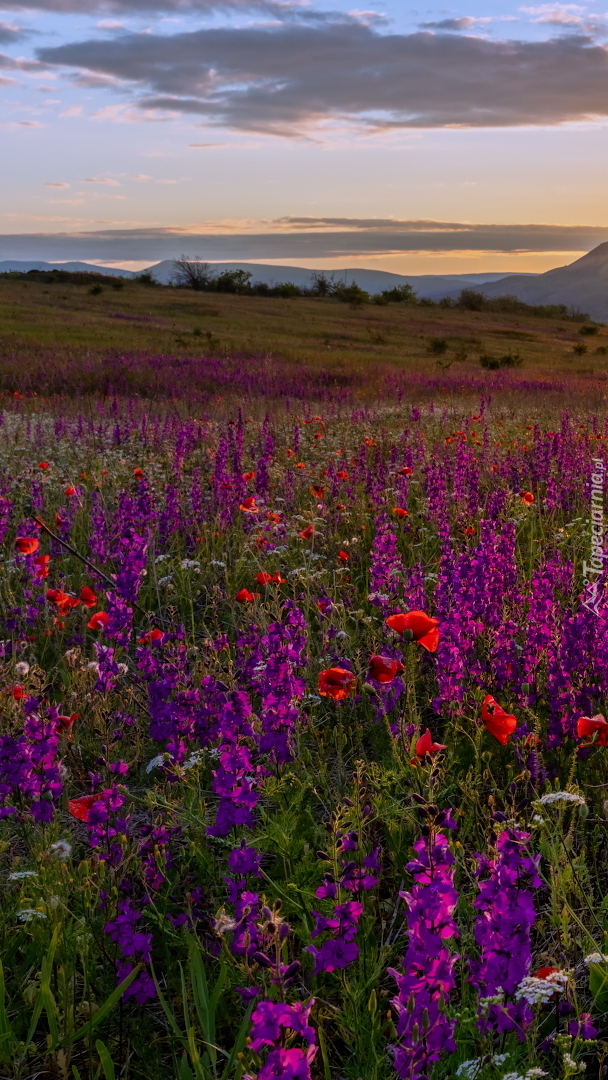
342	475
337	683
42	562
248	506
532	741
544	972
469	531
398	511
383	668
98	620
308	532
343	556
246	597
324	605
318	492
269	579
138	473
273	516
27	545
64	724
369	442
247	476
261	541
405	471
499	723
340	506
58	519
526	497
43	465
79	808
290	453
424	629
425	745
18	692
588	726
87	597
301	465
69	491
151	637
62	600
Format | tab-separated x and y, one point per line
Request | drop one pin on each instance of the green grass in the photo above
63	319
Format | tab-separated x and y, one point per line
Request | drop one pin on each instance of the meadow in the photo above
304	666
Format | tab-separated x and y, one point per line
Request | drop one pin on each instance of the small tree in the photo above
321	284
191	273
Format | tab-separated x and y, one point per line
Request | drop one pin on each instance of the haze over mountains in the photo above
582	284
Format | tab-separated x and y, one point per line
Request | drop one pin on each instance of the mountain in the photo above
582	284
433	286
13	265
373	281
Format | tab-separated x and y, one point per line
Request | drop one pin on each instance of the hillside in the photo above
45	327
582	284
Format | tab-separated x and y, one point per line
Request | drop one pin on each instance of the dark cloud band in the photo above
283	77
358	239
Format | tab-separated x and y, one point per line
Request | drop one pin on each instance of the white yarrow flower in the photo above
561	796
20	875
596	958
28	914
540	991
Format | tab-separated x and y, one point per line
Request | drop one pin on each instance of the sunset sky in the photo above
421	140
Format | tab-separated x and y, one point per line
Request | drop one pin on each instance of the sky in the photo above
429	139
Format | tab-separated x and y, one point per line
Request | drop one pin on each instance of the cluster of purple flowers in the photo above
502	931
270	1023
424	1031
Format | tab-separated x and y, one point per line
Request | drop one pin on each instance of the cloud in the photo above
278	8
10	33
306	239
465	23
53	184
104	180
285	77
557	14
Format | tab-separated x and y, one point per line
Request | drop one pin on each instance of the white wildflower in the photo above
539	991
216	562
190	564
93	666
160	558
596	958
165	580
470	1069
28	914
20	875
538	820
122	669
61	849
561	796
576	1066
156	762
193	760
21	669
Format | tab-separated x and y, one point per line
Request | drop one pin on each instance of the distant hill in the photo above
582	284
373	281
15	266
433	286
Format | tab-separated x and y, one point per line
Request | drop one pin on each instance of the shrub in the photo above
437	346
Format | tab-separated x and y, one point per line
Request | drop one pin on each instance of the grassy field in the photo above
59	320
303	686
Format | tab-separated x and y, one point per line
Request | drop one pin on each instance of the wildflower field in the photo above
303	760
